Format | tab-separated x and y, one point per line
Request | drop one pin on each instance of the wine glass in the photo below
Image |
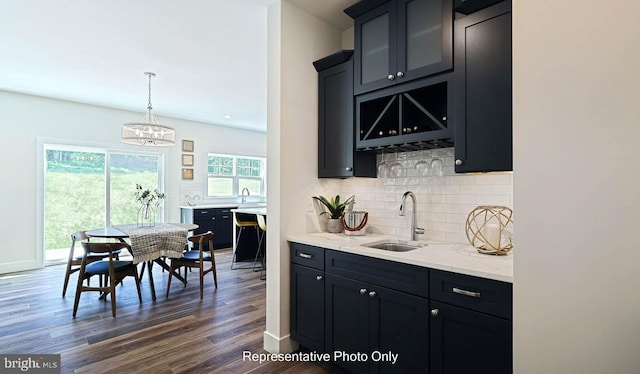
395	168
422	166
436	165
383	170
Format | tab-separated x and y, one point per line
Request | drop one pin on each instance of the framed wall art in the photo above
187	173
187	160
187	145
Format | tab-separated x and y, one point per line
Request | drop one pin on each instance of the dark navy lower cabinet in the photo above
379	316
399	332
347	323
307	296
470	320
465	341
375	329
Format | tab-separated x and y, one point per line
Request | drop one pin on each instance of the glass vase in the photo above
147	215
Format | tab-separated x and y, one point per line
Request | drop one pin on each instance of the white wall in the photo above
28	121
576	188
295	40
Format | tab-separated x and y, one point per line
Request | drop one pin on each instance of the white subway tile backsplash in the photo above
498	178
444	202
478	189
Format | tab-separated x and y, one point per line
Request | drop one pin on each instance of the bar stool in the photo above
262	224
242	225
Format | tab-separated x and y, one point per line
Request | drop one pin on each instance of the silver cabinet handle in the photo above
391	77
400	74
458	162
318	278
304	255
349	168
363	291
435	312
372	294
465	292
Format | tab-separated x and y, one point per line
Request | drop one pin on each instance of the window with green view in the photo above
87	188
228	175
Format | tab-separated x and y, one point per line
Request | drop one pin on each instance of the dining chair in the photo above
261	253
196	260
113	270
73	262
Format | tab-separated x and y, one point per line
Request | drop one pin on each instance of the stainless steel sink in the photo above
395	245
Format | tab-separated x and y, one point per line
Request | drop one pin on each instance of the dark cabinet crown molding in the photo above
333	60
363	7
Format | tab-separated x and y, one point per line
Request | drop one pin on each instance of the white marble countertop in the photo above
457	258
225	205
262	211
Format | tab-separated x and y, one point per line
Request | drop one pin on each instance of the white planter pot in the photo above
334	225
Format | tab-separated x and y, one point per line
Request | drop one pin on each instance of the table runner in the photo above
149	243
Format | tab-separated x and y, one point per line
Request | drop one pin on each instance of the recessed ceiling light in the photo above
228	116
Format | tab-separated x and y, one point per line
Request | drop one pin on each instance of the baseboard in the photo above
13	267
274	344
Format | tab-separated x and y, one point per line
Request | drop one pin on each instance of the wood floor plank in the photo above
178	334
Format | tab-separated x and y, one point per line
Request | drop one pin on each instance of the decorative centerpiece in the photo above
149	202
489	229
335	208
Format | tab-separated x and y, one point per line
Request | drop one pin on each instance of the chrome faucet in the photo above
244	198
414	230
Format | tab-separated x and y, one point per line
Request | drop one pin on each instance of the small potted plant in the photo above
335	208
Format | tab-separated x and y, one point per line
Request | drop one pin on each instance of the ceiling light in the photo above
228	116
148	131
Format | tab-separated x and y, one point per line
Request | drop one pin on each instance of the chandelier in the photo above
148	131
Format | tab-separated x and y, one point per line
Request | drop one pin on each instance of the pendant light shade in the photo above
148	132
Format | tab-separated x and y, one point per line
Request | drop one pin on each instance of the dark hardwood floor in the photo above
181	334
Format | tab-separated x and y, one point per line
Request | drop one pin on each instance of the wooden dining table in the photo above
149	245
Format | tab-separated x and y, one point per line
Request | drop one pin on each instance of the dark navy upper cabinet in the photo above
482	99
400	40
337	157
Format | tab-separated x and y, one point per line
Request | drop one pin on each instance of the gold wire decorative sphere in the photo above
489	229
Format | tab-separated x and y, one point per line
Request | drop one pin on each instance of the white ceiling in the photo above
209	56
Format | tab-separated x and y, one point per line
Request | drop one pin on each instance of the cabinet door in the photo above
204	218
402	40
483	104
464	341
425	38
399	325
347	320
375	48
335	121
337	157
223	228
307	307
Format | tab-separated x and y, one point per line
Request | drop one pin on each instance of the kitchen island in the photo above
246	248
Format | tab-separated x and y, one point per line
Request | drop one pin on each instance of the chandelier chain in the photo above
149	105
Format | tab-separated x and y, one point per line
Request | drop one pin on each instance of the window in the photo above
228	175
87	188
